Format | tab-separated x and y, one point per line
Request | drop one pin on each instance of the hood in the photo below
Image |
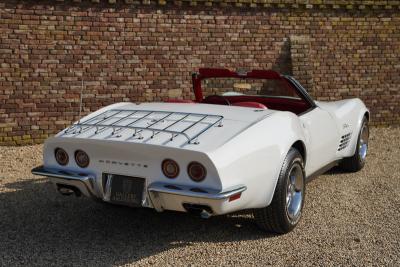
167	124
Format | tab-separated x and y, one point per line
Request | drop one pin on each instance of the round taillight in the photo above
170	168
61	156
197	172
81	158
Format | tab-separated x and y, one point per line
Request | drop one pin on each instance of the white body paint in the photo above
245	154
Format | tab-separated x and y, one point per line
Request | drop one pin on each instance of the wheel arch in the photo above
367	115
300	146
364	113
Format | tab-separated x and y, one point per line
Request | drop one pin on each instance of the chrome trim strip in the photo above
160	188
107	195
301	90
84	180
322	170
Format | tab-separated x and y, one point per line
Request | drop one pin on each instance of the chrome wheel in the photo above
363	142
294	192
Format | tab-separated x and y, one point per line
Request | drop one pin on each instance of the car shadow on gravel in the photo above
335	171
39	226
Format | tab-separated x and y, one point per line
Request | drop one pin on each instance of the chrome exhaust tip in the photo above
67	190
205	214
203	211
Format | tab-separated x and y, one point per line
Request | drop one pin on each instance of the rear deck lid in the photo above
188	126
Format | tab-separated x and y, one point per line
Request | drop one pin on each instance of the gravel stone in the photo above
349	219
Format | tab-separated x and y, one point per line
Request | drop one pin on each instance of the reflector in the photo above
234	197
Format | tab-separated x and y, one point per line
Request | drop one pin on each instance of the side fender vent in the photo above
344	141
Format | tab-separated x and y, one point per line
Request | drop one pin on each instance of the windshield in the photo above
250	87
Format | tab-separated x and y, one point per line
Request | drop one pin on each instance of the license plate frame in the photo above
126	190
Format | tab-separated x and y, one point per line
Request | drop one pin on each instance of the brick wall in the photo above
145	51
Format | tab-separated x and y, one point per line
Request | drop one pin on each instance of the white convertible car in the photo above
249	140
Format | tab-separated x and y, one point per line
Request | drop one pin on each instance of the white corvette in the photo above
250	140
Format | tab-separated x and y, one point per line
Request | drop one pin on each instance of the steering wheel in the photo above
209	100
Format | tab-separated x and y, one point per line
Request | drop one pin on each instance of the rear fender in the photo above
255	157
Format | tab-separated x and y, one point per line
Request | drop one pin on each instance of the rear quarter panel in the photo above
254	157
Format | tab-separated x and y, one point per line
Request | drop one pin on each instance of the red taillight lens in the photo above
61	156
197	171
170	168
81	158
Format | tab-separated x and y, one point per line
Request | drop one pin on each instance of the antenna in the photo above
80	102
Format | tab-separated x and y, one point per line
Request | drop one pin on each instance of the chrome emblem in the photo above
123	163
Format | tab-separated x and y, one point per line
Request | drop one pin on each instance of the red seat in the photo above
249	105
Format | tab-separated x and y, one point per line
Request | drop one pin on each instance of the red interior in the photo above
249	105
283	104
296	106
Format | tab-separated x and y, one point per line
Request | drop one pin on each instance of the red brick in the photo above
336	53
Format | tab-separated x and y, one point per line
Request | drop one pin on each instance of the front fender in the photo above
348	114
362	111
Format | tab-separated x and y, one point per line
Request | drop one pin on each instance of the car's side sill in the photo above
322	170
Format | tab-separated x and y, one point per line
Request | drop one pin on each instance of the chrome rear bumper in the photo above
188	191
82	181
162	196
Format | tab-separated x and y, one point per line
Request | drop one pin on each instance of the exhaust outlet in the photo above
205	214
67	190
203	211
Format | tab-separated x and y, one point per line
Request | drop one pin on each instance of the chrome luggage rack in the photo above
99	123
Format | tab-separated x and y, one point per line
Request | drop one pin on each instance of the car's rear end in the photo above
136	175
165	173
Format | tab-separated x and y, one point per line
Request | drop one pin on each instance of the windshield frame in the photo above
209	73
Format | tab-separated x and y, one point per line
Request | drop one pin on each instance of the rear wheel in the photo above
284	212
357	161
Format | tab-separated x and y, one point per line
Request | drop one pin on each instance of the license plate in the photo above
126	190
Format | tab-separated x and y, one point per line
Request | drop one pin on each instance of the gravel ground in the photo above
349	219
